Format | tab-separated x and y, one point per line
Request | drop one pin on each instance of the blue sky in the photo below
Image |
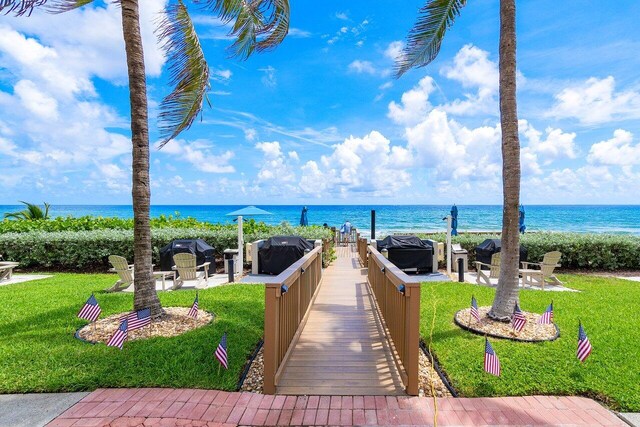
321	120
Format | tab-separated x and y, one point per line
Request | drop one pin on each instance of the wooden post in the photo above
412	338
271	342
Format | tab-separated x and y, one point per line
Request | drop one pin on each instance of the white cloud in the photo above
200	155
221	74
250	134
557	144
618	150
269	77
362	67
274	170
415	103
394	50
37	102
298	33
344	16
596	101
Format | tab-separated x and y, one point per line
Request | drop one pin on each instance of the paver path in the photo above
170	407
342	349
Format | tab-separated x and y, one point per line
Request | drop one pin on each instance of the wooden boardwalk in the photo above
342	349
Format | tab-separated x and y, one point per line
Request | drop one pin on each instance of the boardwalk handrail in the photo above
398	300
287	299
362	250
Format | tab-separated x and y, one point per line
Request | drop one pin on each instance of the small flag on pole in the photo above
474	308
518	320
91	310
138	319
221	351
193	312
547	316
491	361
584	346
118	338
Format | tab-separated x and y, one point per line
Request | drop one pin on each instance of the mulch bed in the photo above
175	322
532	331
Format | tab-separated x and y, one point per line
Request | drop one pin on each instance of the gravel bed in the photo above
532	331
175	322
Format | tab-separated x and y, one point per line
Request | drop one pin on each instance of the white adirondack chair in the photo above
125	273
543	271
494	270
188	271
6	269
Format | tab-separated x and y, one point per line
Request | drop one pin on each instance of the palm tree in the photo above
258	25
423	45
32	212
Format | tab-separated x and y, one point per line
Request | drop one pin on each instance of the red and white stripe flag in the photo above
491	361
547	316
584	346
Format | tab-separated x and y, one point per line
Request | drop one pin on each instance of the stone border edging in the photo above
436	366
77	336
247	366
474	331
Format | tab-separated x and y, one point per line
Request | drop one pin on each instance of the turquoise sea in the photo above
577	218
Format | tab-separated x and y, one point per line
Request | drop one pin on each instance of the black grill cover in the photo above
198	247
486	249
279	252
408	252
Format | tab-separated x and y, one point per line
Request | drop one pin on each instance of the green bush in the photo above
579	251
88	250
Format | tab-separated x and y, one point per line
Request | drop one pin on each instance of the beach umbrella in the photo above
239	214
521	220
454	220
304	221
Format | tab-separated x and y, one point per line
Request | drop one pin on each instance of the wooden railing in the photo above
398	301
288	297
362	250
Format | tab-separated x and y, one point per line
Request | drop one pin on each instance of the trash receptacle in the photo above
231	254
456	253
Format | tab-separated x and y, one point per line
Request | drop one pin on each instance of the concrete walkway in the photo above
36	409
156	406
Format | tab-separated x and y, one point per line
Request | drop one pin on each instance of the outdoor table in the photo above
163	275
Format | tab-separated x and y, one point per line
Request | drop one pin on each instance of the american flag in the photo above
91	310
193	312
221	351
491	361
518	320
138	319
121	334
584	346
474	308
547	316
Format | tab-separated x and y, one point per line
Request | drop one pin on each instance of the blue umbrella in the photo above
521	220
304	221
249	211
454	220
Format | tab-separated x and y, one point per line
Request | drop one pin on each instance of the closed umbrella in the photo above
240	213
454	220
521	220
304	221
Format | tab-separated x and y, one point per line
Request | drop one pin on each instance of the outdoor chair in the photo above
125	273
482	278
543	271
188	270
6	269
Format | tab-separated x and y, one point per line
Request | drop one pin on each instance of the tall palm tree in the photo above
258	25
423	45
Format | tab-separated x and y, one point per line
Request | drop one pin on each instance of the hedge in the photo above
579	251
88	250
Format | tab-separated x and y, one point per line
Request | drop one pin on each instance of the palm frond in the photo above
61	6
258	25
20	7
31	212
425	38
189	72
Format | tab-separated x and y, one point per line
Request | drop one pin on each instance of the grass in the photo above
40	354
609	311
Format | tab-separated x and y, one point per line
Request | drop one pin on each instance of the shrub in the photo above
88	250
579	251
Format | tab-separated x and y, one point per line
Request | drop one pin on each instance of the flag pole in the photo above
469	322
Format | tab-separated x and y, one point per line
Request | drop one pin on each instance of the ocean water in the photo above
582	218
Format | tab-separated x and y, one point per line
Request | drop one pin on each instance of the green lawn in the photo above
609	311
39	353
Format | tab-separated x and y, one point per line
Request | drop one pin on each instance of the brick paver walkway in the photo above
156	407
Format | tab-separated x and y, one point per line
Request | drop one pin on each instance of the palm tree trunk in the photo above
507	291
145	295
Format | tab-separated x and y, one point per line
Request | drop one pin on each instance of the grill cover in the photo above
198	247
279	252
486	249
408	252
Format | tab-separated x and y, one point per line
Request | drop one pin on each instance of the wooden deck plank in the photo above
342	349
